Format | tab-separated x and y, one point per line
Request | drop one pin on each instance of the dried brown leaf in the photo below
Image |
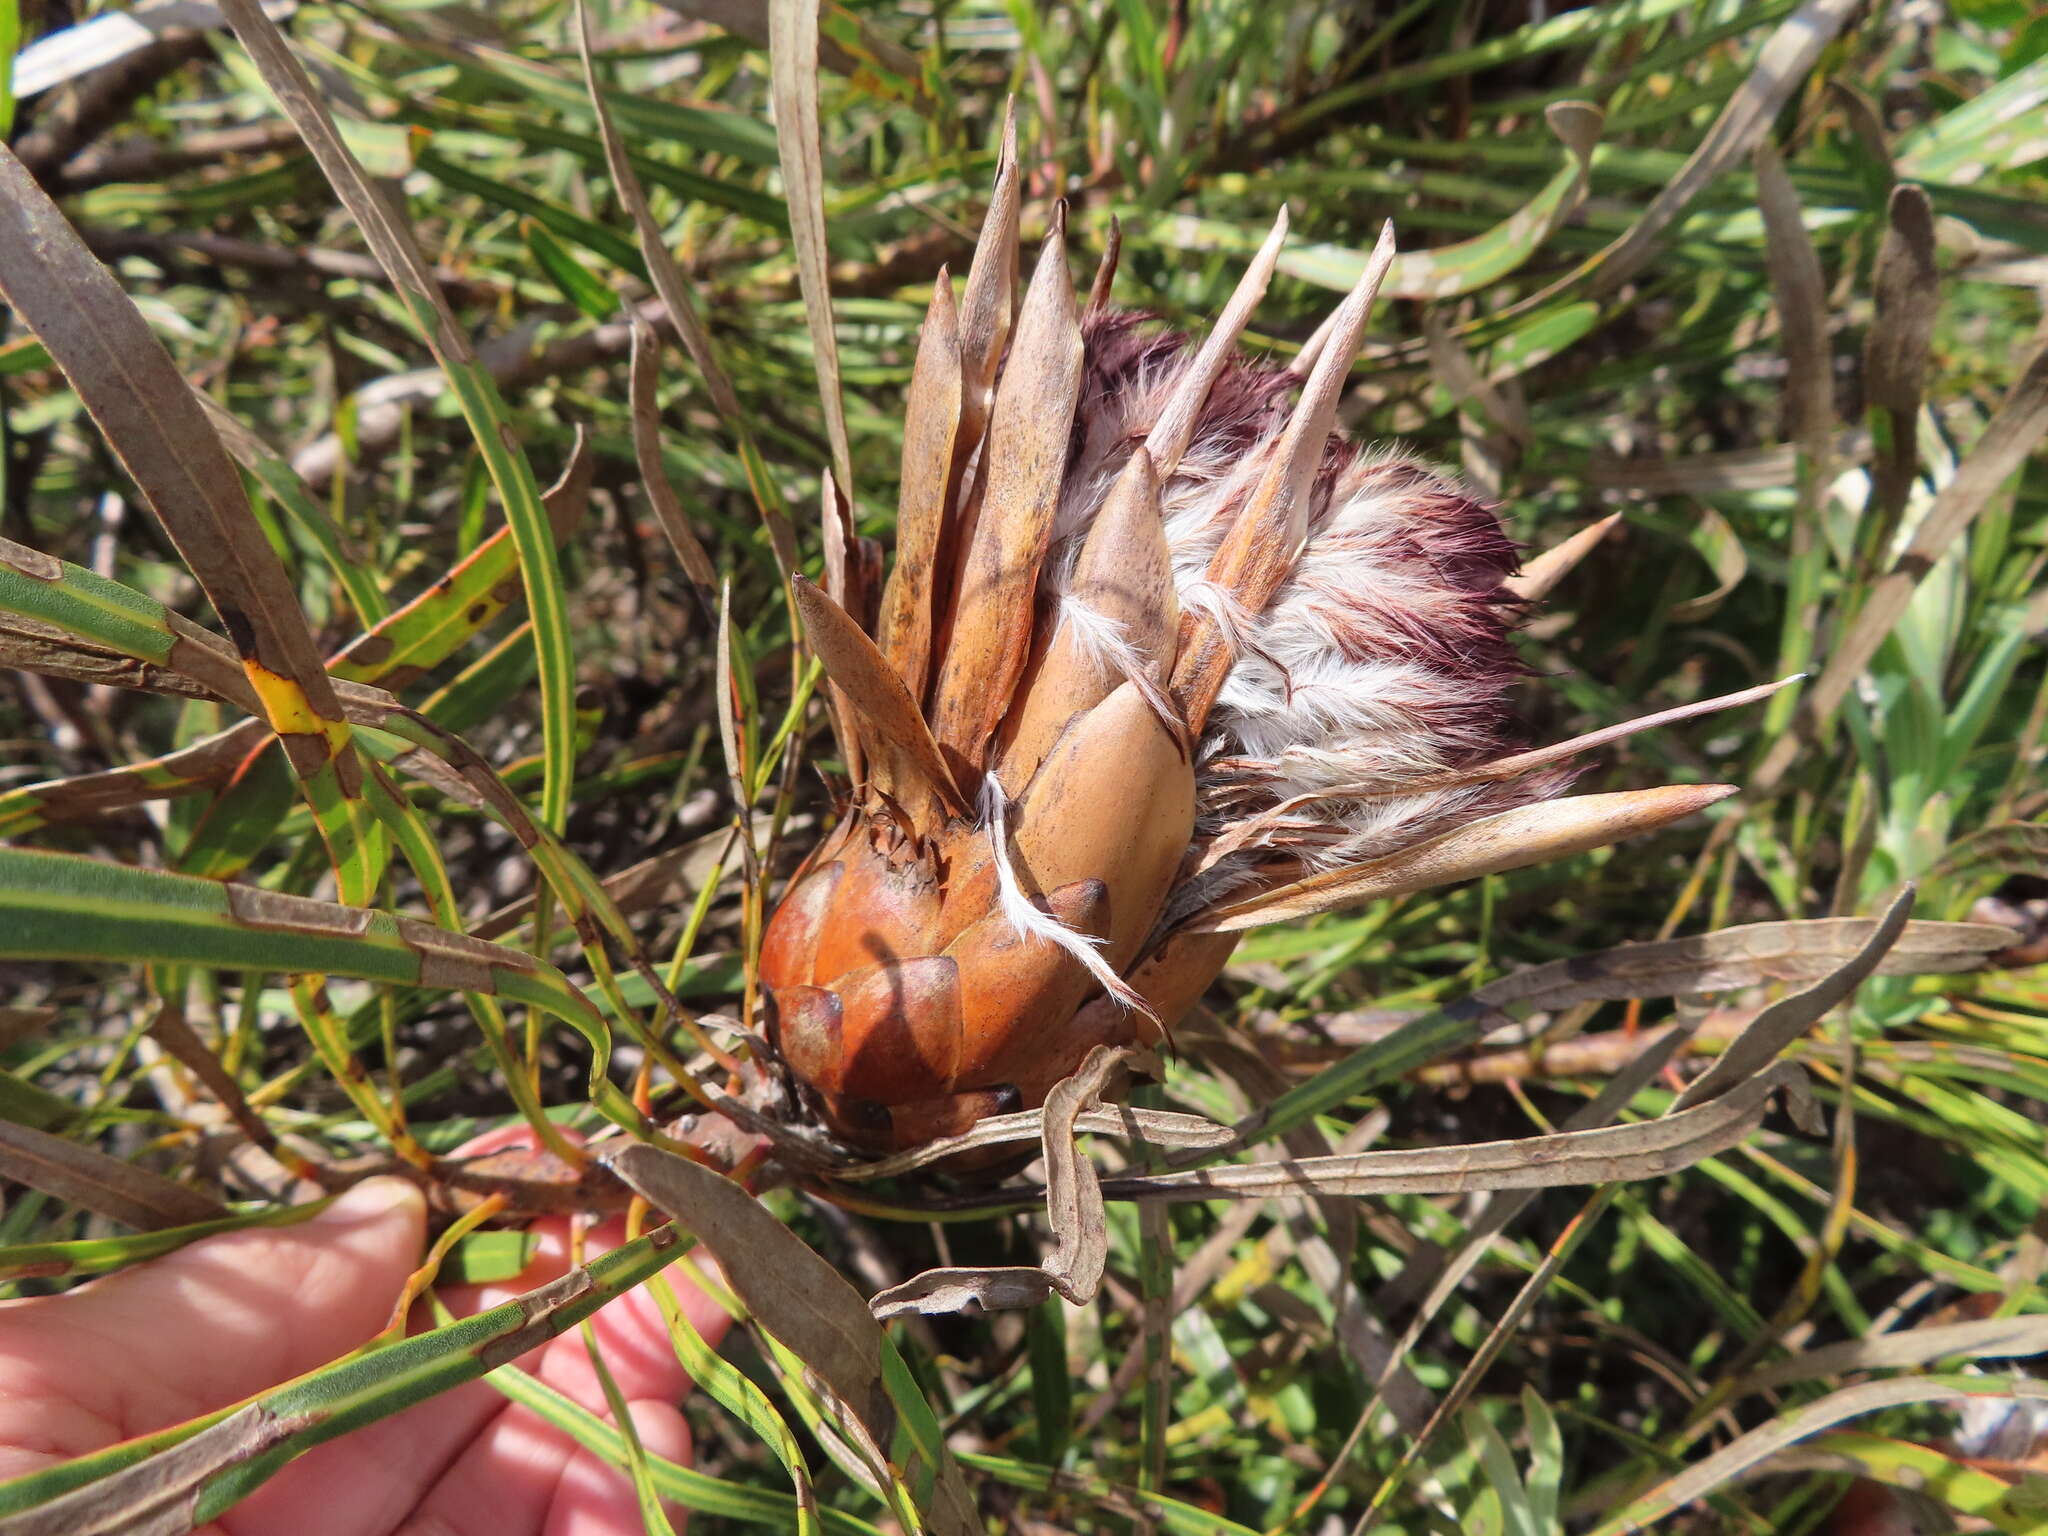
654	481
2006	442
1800	296
1781	67
673	287
1791	1426
101	1184
1073	1208
1906	287
793	71
1607	1155
1979	1339
155	426
1159	1127
1806	949
1789	1018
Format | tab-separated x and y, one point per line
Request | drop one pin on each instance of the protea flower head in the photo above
1163	656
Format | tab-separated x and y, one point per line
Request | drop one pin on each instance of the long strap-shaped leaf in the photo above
155	426
398	649
474	389
104	1185
669	283
793	67
59	906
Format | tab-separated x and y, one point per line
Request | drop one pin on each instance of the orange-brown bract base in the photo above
905	1001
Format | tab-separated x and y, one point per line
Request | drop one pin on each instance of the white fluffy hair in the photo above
1380	663
1033	922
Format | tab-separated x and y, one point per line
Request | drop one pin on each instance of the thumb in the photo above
214	1322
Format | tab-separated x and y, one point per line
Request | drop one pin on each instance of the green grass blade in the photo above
475	392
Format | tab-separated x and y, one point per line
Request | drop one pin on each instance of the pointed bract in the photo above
905	763
988	635
931	424
1529	834
1117	620
990	300
1535	580
1170	436
1260	549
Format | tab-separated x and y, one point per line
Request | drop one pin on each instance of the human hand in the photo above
232	1315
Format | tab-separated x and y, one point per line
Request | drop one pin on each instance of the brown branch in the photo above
311	260
143	159
79	114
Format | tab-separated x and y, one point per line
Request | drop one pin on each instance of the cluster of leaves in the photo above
1762	276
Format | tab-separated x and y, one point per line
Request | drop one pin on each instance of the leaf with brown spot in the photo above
472	385
156	427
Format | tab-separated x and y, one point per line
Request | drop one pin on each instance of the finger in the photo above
594	1498
632	1331
508	1479
370	1480
502	1482
523	1477
385	1469
213	1323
